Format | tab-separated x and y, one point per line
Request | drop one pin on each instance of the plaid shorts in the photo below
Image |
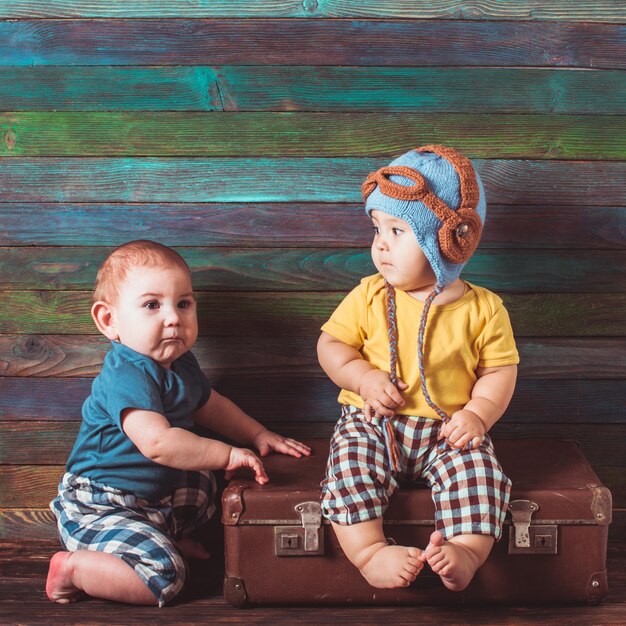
469	488
92	516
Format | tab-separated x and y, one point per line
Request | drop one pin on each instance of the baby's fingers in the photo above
292	448
259	471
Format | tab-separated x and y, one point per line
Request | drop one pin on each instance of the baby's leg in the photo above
382	565
98	574
193	505
457	560
470	492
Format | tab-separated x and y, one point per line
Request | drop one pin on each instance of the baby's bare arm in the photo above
491	395
347	368
344	364
175	447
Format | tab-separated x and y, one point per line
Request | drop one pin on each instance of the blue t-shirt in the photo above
102	451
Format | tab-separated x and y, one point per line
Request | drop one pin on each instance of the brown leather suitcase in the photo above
553	550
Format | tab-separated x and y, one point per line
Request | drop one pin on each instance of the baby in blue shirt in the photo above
138	481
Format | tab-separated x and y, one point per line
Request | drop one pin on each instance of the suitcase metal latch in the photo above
305	540
527	539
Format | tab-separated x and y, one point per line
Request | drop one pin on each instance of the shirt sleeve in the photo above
348	321
132	385
496	343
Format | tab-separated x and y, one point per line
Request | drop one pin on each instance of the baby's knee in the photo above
165	573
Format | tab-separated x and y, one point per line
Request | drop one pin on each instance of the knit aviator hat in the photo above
437	191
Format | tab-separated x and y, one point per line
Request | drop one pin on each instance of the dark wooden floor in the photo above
22	601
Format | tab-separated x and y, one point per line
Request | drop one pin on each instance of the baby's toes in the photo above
414	553
436	559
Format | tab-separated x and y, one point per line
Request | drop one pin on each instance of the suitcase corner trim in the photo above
235	592
232	503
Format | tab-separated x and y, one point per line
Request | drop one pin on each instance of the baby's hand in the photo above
242	457
380	396
266	441
464	427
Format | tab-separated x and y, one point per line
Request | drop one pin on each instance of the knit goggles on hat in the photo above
437	191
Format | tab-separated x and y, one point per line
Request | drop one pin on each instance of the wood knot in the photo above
9	139
32	347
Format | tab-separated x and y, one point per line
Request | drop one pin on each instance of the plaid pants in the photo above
469	489
92	516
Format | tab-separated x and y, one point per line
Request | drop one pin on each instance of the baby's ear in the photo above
102	314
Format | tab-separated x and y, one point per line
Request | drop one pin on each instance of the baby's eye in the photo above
152	305
397	231
376	230
184	304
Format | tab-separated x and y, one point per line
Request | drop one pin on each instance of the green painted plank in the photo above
288	225
309	134
312	269
329	42
263	353
250	314
311	88
586	10
306	399
109	88
308	179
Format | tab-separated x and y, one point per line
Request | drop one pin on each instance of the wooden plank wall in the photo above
240	132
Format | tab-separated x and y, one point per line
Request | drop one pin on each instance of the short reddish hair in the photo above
138	253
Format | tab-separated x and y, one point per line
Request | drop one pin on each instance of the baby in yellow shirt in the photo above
427	364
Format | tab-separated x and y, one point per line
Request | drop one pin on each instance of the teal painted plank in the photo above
109	88
311	269
47	179
305	88
588	10
464	90
329	42
288	224
308	399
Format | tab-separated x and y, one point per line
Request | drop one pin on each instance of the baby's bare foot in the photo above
192	549
59	586
455	563
392	566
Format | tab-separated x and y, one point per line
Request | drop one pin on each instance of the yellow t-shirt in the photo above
474	331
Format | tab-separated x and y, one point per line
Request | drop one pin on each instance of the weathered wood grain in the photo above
329	42
312	88
271	352
307	179
109	88
299	399
27	525
84	133
501	90
250	314
598	10
288	224
312	269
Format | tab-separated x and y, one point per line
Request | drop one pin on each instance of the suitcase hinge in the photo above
527	539
304	540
